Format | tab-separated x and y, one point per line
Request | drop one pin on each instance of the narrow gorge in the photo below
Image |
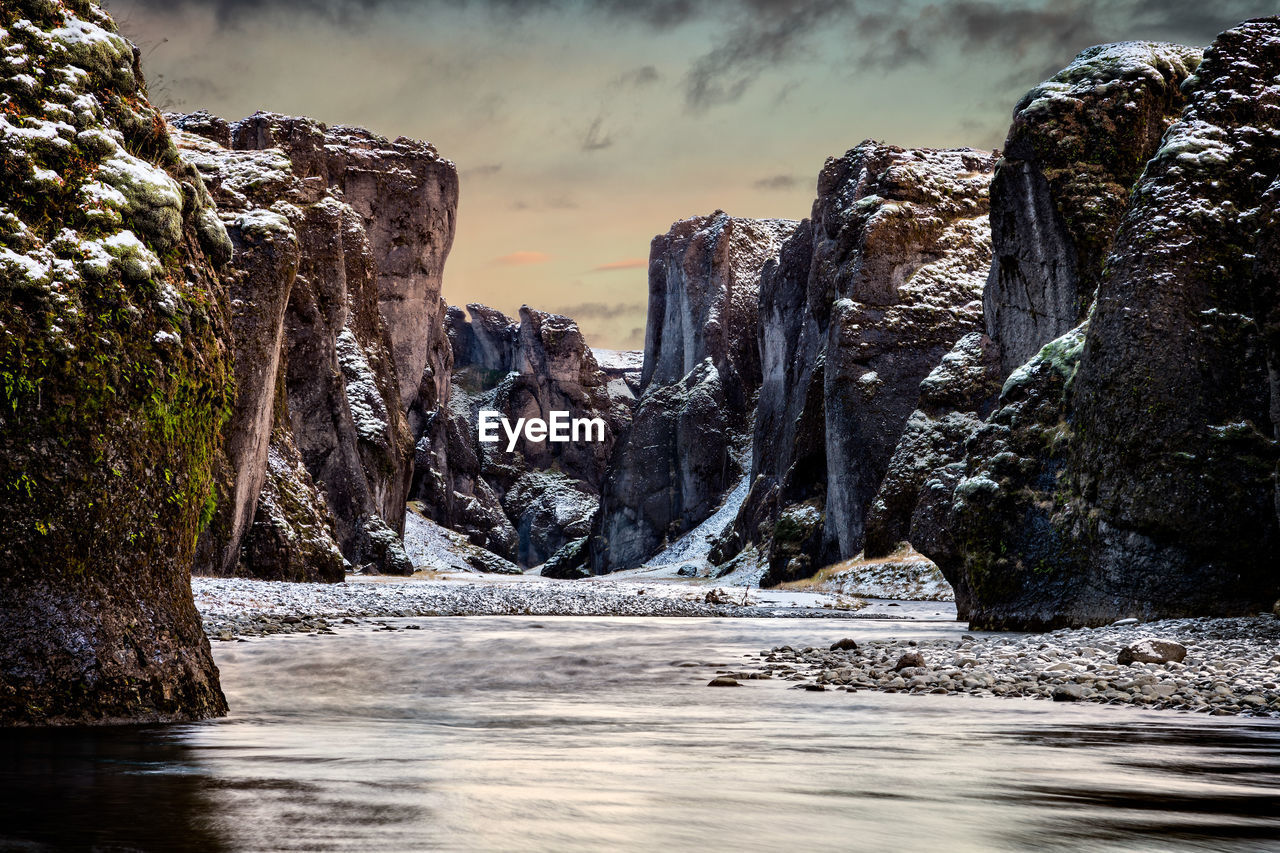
226	350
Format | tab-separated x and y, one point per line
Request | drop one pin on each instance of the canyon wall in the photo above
341	411
527	503
1130	466
866	298
701	373
115	382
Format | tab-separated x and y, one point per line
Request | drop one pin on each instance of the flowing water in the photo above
523	733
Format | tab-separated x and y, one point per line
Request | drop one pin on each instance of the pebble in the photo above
1226	666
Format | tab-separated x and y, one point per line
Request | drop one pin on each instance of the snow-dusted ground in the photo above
904	576
619	359
240	607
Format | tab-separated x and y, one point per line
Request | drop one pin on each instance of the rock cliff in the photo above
700	376
1129	468
347	320
115	382
1077	144
527	503
866	298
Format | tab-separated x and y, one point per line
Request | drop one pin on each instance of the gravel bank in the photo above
237	607
1232	666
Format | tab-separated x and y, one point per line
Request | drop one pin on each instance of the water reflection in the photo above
94	789
542	734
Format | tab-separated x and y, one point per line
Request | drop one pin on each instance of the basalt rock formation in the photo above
340	411
1152	489
1077	143
527	503
115	382
701	372
866	298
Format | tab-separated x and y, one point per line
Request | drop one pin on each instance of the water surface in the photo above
515	733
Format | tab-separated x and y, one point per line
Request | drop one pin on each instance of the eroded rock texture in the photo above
1077	144
1130	469
115	382
342	400
527	503
866	298
701	372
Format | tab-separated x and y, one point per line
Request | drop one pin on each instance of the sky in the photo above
582	128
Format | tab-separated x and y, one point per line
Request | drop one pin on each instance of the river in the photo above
575	733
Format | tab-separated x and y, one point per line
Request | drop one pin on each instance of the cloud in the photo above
770	33
634	340
484	170
777	182
595	139
522	259
602	311
645	75
555	202
627	264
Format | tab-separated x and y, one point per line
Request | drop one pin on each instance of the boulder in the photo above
1152	651
909	659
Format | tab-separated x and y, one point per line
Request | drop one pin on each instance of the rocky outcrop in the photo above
298	240
526	503
1130	468
407	197
865	300
1077	144
115	383
701	372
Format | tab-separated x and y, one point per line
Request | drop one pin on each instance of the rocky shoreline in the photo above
234	608
1231	666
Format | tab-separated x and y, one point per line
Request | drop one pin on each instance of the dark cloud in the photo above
602	310
777	182
772	32
645	75
596	139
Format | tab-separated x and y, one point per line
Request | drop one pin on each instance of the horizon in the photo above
644	113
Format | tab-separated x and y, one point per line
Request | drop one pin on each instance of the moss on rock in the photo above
114	384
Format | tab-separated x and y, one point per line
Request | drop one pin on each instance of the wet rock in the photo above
1152	651
723	681
1068	693
848	645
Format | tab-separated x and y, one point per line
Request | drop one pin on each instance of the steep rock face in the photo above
301	242
527	503
701	372
114	383
865	300
1156	496
1077	144
955	398
407	196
